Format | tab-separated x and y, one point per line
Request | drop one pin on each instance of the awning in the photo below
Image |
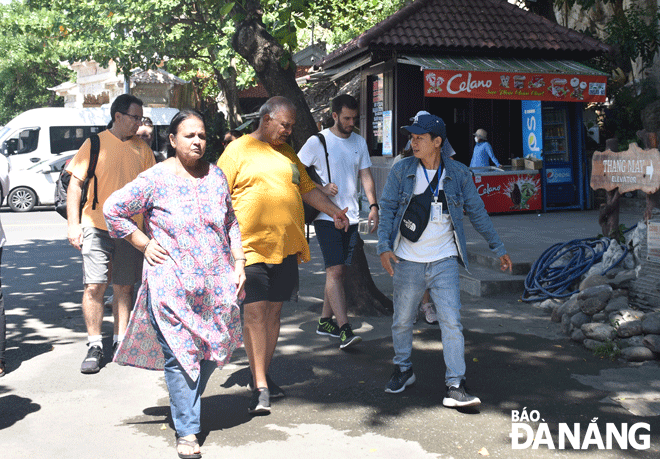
516	79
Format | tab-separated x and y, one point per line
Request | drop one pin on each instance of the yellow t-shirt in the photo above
119	163
266	183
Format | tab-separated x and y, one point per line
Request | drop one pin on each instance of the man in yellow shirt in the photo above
122	156
268	183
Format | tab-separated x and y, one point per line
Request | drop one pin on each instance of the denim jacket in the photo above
461	195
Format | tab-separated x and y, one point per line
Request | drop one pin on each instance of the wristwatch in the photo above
374	205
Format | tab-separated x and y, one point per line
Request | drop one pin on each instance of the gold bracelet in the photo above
144	250
237	259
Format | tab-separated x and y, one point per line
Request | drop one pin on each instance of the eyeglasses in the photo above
139	119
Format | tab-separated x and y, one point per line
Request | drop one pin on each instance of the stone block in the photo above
628	329
599	332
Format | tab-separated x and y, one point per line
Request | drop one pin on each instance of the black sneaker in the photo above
275	390
328	327
259	402
400	380
457	397
347	337
92	362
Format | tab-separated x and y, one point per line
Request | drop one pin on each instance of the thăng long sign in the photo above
634	169
514	86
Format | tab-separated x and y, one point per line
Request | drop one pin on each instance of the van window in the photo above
22	142
65	138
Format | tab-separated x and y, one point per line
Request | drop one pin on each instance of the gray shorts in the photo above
101	253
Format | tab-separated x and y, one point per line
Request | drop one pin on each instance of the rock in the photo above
625	315
624	278
572	306
580	319
651	323
599	332
613	272
652	342
592	305
602	292
620	292
613	254
617	303
600	317
578	336
565	308
566	325
548	306
633	341
594	280
628	329
592	344
637	354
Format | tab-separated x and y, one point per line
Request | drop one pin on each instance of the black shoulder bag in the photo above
416	217
311	212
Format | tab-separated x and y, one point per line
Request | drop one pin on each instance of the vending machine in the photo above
562	156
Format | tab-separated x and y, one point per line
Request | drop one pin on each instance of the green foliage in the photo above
609	349
623	118
29	65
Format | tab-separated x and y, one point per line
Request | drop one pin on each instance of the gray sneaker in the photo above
259	402
92	363
275	390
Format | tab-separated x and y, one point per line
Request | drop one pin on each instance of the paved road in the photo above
335	407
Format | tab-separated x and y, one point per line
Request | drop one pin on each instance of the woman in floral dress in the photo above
186	319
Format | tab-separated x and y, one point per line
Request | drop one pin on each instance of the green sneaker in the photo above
328	327
347	337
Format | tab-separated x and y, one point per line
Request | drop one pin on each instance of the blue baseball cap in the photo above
427	124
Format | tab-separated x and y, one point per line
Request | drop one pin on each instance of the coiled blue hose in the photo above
552	276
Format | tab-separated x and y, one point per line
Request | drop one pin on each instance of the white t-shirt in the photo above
347	157
437	240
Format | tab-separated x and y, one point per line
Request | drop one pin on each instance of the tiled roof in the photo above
471	27
156	76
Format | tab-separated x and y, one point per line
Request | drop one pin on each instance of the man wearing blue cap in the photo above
421	242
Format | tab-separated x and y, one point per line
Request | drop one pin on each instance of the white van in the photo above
38	134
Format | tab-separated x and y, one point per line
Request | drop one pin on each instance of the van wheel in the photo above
22	199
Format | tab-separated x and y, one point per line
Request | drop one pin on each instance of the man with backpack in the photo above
346	155
121	157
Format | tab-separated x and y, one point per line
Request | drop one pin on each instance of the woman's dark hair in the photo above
121	104
174	126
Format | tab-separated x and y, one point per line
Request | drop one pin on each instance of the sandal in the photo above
192	443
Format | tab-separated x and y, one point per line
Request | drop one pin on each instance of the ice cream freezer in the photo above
507	190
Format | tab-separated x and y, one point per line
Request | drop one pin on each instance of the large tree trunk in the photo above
276	72
608	218
229	89
266	56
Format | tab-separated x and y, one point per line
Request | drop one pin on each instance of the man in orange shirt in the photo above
122	156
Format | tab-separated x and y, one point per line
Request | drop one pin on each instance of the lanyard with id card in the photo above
436	206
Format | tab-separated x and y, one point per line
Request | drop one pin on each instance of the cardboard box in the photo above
533	163
517	164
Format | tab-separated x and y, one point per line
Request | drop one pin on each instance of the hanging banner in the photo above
532	129
514	86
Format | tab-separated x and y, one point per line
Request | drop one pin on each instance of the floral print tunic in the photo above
193	293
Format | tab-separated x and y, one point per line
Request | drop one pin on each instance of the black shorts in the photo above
336	245
272	282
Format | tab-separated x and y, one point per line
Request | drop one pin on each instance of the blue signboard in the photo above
532	129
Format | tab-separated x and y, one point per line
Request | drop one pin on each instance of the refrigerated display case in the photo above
559	174
506	190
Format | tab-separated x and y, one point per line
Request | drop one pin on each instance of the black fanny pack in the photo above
417	215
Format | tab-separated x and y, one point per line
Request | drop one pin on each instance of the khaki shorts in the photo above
101	253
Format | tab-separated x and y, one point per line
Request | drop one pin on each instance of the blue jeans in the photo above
185	394
411	279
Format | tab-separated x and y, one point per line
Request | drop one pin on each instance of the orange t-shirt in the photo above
119	163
